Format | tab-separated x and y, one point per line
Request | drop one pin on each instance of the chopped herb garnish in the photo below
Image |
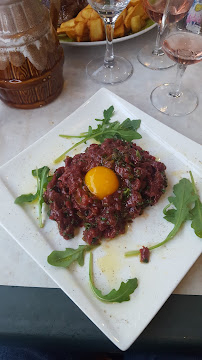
138	154
126	192
87	226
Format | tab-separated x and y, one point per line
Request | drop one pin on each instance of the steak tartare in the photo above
141	180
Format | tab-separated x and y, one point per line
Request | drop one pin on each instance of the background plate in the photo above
95	43
121	323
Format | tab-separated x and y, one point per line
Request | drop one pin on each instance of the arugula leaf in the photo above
64	38
38	172
126	131
184	196
25	198
41	172
183	199
130	124
67	257
196	212
42	180
120	295
108	113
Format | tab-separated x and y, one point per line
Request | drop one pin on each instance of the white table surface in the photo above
20	128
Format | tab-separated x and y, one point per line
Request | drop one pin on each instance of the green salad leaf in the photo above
67	257
149	22
43	178
106	129
182	201
196	212
120	295
185	196
25	198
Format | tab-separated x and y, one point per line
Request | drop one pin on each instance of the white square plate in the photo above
121	323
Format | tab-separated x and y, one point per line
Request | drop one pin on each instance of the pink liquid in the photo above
177	9
184	47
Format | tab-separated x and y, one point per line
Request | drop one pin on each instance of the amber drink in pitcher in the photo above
31	58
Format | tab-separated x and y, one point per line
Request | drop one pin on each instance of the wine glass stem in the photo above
157	49
109	53
180	72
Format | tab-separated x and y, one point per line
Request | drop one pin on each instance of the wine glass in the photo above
183	44
112	69
152	56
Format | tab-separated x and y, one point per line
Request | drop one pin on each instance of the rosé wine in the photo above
177	9
184	47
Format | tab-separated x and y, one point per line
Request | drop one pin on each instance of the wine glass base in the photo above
121	70
154	62
163	100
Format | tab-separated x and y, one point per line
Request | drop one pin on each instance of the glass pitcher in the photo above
31	58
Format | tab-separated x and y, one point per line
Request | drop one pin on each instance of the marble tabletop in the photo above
20	128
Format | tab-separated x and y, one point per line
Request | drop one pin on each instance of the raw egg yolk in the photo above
101	181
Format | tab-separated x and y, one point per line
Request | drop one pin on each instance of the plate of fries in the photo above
87	28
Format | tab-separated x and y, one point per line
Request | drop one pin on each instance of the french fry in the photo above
86	13
61	31
94	15
81	29
96	30
119	31
145	16
79	18
136	23
129	16
71	33
88	26
119	21
133	3
130	9
82	38
124	13
139	10
143	23
69	23
121	18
